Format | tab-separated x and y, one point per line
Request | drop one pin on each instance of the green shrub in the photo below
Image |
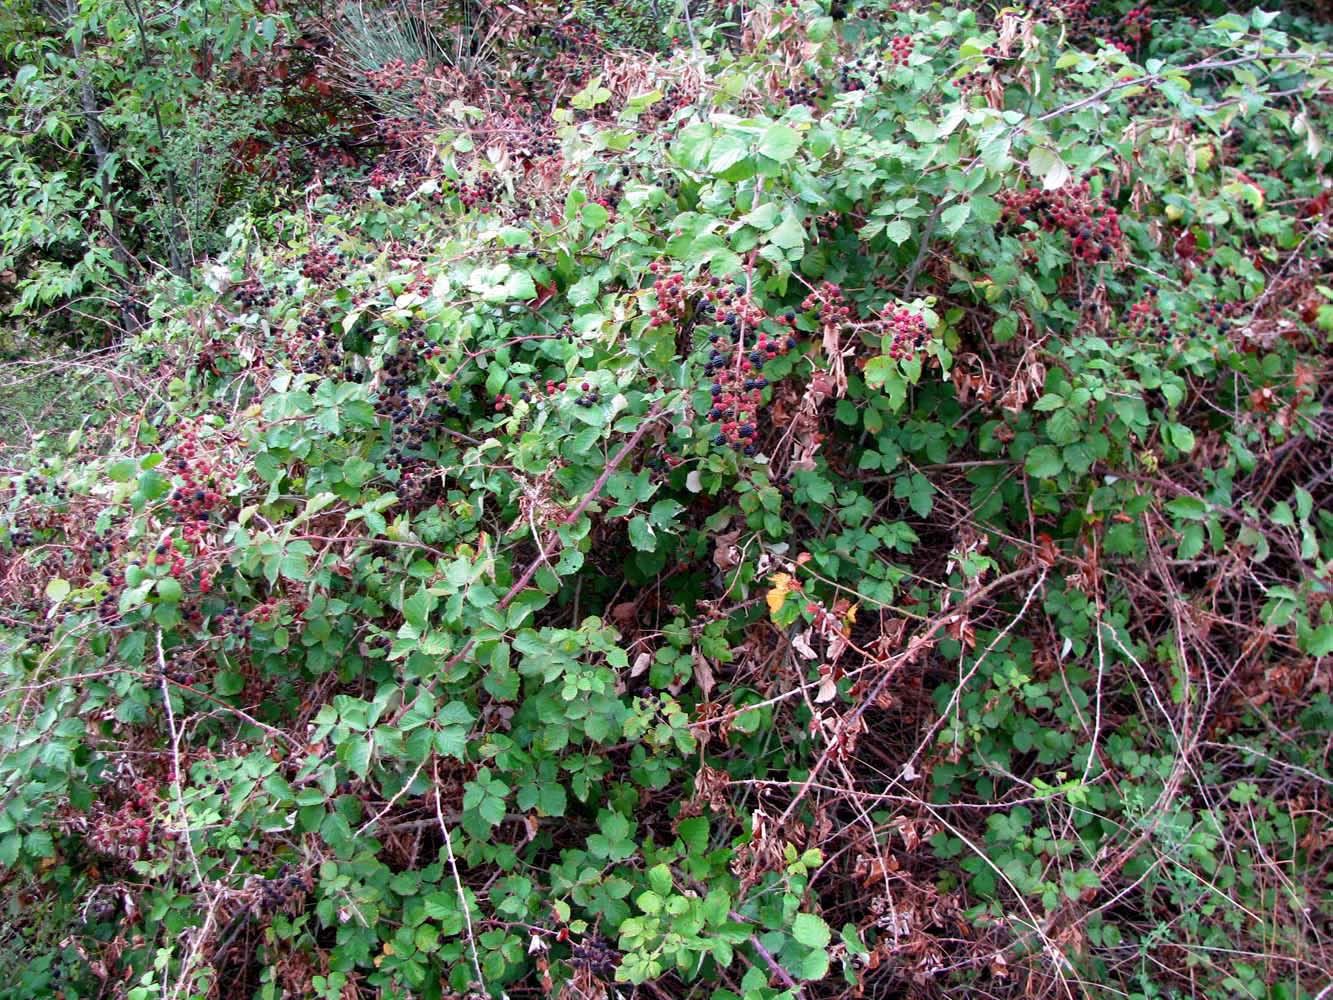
874	540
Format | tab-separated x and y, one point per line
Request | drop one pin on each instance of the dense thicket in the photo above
745	502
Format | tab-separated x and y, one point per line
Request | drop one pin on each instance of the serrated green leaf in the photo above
780	142
811	931
1044	462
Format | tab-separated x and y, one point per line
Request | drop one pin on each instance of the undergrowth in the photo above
839	507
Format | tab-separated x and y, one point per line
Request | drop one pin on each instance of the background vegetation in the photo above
745	502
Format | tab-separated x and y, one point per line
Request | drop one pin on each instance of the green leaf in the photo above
417	608
764	217
917	491
169	590
1044	462
1190	508
1320	641
641	534
1181	437
228	683
659	877
691	146
811	931
953	217
584	291
727	151
789	234
780	142
153	485
38	844
358	755
1045	164
899	230
594	216
814	966
693	834
57	589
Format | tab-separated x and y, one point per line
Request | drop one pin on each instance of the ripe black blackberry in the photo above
595	955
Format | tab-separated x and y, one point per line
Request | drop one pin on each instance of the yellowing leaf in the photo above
777	596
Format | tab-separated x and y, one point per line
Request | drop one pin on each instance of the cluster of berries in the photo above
1093	226
1073	11
167	554
211	356
400	373
200	491
900	49
125	832
735	363
272	894
590	396
735	309
1217	318
481	193
807	92
230	621
319	263
39	633
27	520
50	490
899	7
502	402
595	956
1318	206
536	145
665	458
834	311
317	348
1086	28
418	484
671	102
271	609
974	80
180	672
104	550
397	178
1135	27
569	36
253	295
532	393
906	330
1145	318
108	608
383	176
411	431
672	298
609	199
859	74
